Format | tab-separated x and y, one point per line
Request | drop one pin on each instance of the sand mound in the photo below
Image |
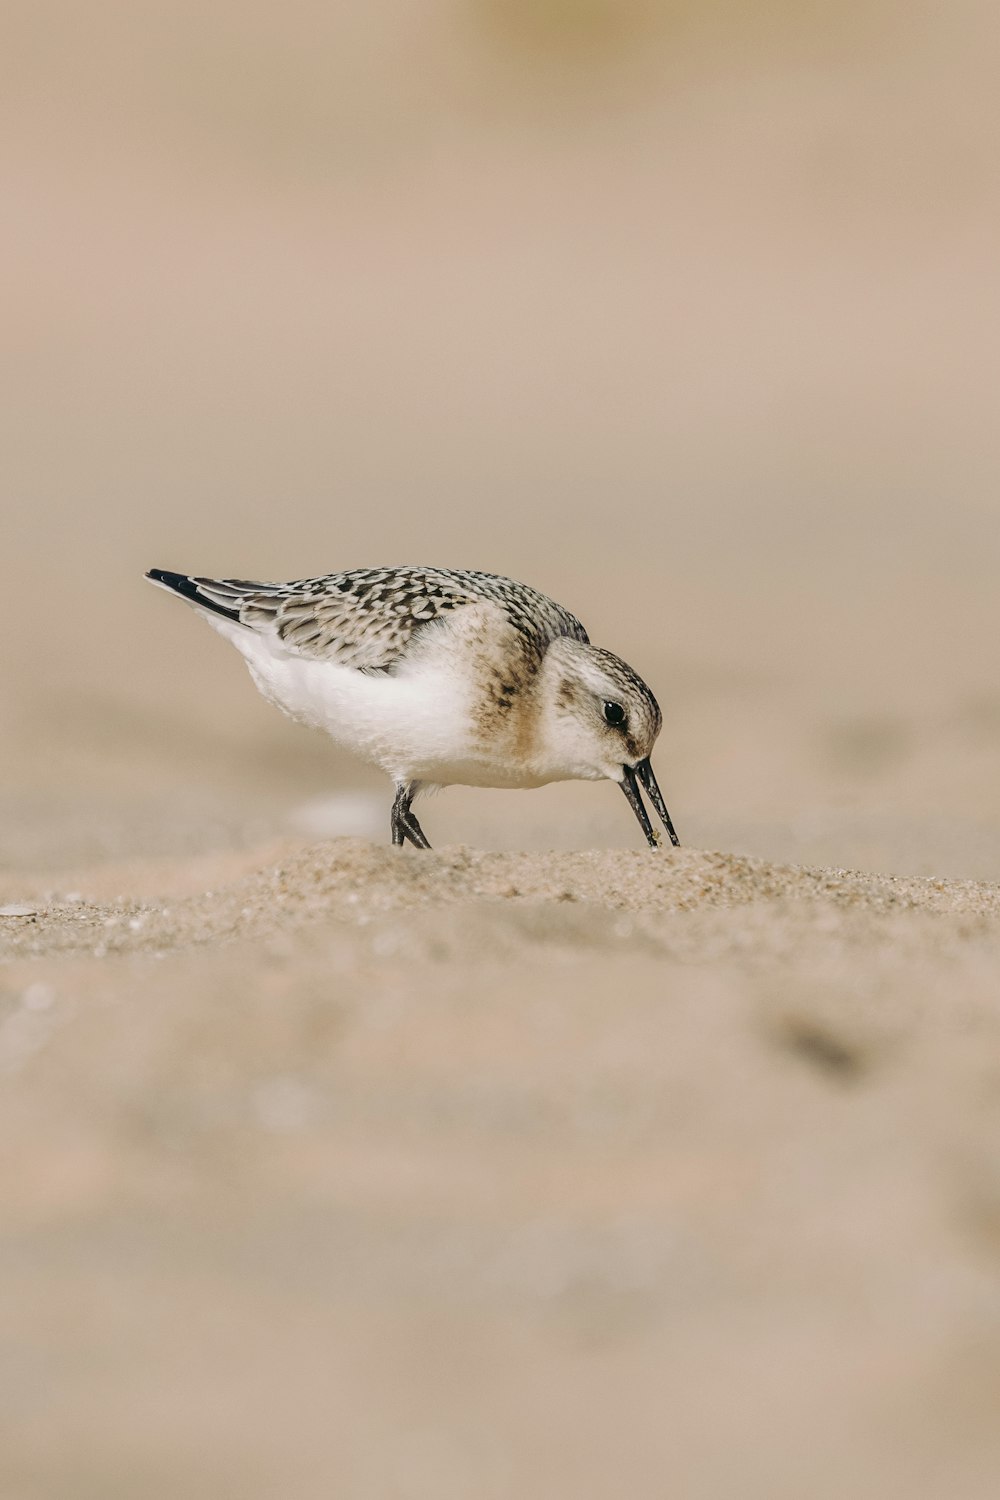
502	1165
348	880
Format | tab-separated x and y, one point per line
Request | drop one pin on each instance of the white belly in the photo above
415	725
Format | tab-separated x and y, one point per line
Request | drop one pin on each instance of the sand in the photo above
367	1172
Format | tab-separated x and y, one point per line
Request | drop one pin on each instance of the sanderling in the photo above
442	678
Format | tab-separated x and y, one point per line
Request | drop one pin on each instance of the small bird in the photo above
442	678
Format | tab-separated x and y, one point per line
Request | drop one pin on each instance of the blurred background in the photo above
686	314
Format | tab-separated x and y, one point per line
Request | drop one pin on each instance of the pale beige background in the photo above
579	1176
688	315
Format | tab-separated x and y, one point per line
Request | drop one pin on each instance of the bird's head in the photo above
599	719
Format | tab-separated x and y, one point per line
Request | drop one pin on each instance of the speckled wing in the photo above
367	618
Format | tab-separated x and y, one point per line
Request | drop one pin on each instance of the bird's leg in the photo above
404	823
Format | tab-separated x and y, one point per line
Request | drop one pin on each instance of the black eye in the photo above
614	714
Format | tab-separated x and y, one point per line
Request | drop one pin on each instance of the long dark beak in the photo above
630	786
645	774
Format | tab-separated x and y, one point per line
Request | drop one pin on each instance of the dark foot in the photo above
404	824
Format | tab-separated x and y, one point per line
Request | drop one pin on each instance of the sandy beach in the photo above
543	1164
500	1173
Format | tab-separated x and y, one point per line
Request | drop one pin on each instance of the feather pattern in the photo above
367	618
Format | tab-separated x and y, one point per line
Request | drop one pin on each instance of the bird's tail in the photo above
218	595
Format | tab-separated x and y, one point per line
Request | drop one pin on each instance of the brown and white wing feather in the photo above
366	618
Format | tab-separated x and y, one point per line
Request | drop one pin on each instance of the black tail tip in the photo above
188	589
172	580
179	582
